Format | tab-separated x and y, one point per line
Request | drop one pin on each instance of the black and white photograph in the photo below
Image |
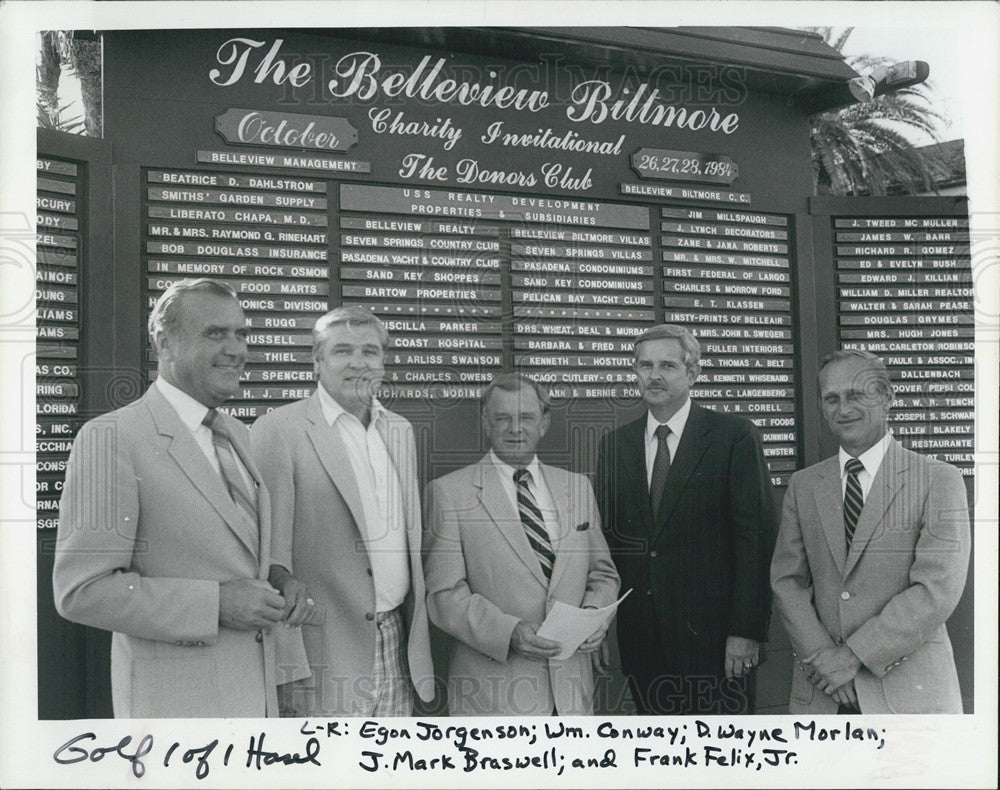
545	394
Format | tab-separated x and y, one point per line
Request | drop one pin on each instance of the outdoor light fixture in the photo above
862	88
884	79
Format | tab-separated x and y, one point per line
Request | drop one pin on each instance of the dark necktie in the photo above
661	465
853	499
534	524
229	467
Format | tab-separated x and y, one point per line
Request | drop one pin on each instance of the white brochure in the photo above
570	626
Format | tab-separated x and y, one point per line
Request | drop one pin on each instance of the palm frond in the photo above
838	44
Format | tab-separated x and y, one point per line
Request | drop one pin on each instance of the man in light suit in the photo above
164	530
342	471
507	537
687	504
871	560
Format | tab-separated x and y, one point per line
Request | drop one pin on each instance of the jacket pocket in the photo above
178	687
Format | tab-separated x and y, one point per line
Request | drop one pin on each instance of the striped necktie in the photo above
661	465
230	468
534	524
853	499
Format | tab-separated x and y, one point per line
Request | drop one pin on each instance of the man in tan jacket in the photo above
507	538
164	534
342	471
871	560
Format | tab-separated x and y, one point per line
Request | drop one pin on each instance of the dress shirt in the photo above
538	489
384	527
871	459
192	413
676	423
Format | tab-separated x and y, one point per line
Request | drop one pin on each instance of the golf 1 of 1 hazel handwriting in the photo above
543	748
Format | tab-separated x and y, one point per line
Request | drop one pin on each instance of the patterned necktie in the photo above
661	465
853	499
229	467
534	524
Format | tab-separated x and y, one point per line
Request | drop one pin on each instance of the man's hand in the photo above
299	607
845	695
525	642
834	667
594	641
598	648
600	659
742	655
249	604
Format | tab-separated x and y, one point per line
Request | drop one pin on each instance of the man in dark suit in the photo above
686	500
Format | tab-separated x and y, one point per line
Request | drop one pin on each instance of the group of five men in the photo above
292	570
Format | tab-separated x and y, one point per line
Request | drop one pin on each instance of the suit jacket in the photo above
700	571
888	597
483	578
147	532
316	512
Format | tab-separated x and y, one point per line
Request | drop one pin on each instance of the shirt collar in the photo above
332	410
507	471
676	423
191	411
871	458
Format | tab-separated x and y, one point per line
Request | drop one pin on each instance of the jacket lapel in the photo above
830	505
394	432
633	479
501	511
189	457
557	481
886	485
334	457
693	443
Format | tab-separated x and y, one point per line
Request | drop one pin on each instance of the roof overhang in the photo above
795	65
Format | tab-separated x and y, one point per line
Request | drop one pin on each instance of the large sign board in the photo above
57	389
904	292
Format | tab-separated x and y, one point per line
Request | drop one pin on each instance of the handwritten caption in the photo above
545	748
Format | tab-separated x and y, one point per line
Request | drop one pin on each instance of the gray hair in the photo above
163	319
690	346
511	382
875	365
349	315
